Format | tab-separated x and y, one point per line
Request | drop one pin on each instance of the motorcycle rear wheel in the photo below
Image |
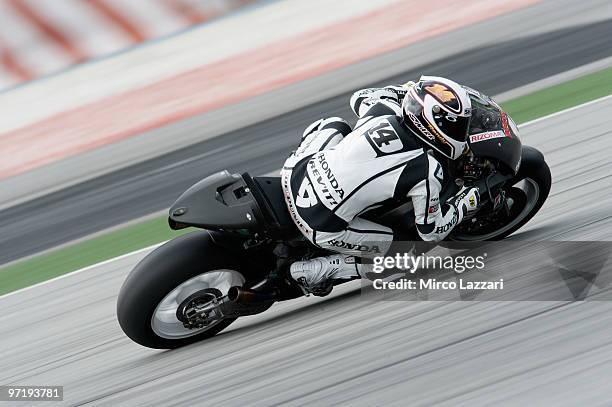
156	287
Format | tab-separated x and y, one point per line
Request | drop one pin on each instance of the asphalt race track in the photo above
344	349
153	185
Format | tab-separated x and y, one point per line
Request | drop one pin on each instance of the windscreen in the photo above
486	115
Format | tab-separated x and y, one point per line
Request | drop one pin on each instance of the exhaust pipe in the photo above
246	296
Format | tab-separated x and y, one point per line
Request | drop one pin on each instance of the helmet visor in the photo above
453	126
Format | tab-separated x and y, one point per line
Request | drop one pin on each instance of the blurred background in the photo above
110	109
40	37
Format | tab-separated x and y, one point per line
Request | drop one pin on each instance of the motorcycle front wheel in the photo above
525	195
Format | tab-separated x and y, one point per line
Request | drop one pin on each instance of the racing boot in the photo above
317	276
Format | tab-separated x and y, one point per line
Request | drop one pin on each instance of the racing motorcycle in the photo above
194	286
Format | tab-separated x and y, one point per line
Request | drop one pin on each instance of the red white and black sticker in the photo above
488	135
504	118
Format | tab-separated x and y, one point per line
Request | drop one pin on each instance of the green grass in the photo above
130	238
560	97
85	253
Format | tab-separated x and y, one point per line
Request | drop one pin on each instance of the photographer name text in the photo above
433	284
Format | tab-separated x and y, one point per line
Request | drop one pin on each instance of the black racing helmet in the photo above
438	111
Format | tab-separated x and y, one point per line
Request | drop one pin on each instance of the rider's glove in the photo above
467	201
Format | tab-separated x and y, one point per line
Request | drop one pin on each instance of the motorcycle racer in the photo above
337	173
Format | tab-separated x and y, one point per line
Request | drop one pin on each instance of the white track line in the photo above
102	263
569	109
554	80
592	102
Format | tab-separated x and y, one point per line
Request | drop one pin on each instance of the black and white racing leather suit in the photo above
336	174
